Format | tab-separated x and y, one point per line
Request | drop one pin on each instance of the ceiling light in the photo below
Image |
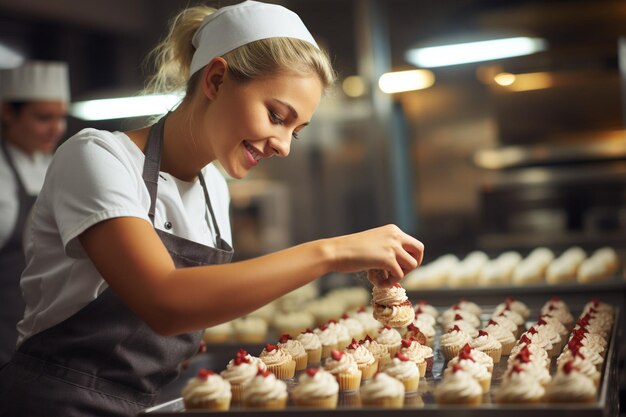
124	107
525	82
397	82
463	53
9	58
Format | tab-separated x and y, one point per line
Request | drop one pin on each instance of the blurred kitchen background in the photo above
503	154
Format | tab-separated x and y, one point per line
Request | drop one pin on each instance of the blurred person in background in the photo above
34	98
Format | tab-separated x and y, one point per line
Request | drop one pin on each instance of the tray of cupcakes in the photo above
553	359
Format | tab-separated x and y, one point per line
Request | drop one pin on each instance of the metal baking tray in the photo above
422	404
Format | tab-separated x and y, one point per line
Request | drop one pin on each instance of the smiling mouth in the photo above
255	154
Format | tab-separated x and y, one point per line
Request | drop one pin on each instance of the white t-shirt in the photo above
95	176
32	170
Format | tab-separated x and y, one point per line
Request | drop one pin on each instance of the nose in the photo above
280	146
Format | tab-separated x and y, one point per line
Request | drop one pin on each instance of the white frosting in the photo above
212	388
389	336
322	384
382	385
519	387
264	388
345	365
400	369
456	385
310	341
389	296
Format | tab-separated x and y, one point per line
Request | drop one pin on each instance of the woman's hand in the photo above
387	249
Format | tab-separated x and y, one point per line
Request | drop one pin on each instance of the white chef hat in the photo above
234	26
35	80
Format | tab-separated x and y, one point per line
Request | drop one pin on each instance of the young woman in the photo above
129	253
34	100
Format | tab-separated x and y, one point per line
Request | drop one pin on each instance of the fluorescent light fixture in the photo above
463	53
400	81
524	82
124	107
9	58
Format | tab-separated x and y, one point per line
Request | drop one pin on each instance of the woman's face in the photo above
37	126
248	122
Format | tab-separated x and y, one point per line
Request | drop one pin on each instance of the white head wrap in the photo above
35	80
234	26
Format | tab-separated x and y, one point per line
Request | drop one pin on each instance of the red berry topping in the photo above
387	327
517	369
456	307
264	372
523	356
284	338
396	285
332	321
312	371
456	368
242	352
336	354
532	330
345	316
458	317
241	359
270	348
466	348
354	344
204	374
323	327
402	357
569	367
454	328
308	330
466	355
368	338
362	309
406	343
525	339
492	323
541	322
412	328
482	333
418	311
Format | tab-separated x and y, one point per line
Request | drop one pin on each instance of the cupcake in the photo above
316	388
312	345
265	391
295	349
425	329
488	344
220	333
477	370
452	341
470	307
383	391
365	360
250	329
414	333
458	387
504	336
341	332
526	347
405	371
239	371
519	387
456	313
380	352
411	349
207	391
278	361
458	321
569	385
425	307
507	323
514	305
355	328
477	355
390	338
366	318
535	368
328	339
578	360
391	306
344	368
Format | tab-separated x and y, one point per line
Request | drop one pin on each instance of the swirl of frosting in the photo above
455	313
389	296
519	386
207	386
277	356
309	340
423	318
395	313
454	337
457	384
341	363
537	370
326	335
506	323
240	371
537	338
478	356
411	349
583	365
503	335
361	354
475	369
537	353
464	326
571	386
402	369
264	387
378	350
355	328
591	356
383	385
389	336
513	316
340	331
485	342
293	347
316	383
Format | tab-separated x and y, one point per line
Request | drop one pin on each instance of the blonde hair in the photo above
262	58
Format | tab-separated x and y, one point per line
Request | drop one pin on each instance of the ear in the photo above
212	77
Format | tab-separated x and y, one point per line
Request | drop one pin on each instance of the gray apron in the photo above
104	360
12	263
